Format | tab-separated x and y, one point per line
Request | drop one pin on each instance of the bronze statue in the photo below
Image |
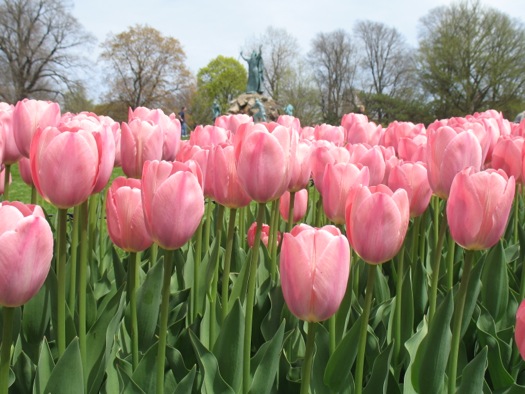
255	72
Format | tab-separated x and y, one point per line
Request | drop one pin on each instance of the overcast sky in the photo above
208	28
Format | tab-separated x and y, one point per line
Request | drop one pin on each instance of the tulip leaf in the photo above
412	346
67	376
129	384
144	375
44	368
239	284
473	290
273	318
186	384
118	268
148	304
229	347
474	374
322	355
495	293
36	315
24	371
266	363
337	373
378	382
432	356
212	380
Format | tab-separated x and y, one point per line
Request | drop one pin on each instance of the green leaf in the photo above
474	374
67	376
186	384
145	375
432	356
44	368
338	370
229	347
212	381
473	290
266	363
36	315
148	304
322	355
495	293
24	370
378	382
239	288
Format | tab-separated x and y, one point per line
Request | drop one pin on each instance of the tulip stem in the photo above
290	212
133	281
163	324
74	260
435	270
363	329
7	175
308	358
207	229
5	353
272	243
82	284
196	275
227	265
215	278
331	333
415	238
398	308
61	281
458	318
34	195
450	263
250	300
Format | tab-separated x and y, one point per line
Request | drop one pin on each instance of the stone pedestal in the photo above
245	104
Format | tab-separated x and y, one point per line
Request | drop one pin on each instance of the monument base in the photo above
245	104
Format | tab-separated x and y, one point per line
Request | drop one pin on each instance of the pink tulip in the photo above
315	264
140	141
28	116
335	134
125	215
413	178
208	136
324	152
115	130
478	207
173	202
413	149
2	180
24	167
11	153
265	235
264	160
371	157
507	155
299	206
301	166
338	180
222	178
519	331
290	121
359	130
377	221
26	250
232	122
65	164
449	152
397	131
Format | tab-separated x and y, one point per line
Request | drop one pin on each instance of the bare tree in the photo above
38	43
333	58
145	68
387	64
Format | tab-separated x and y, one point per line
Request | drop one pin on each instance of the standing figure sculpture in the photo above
216	109
260	115
255	72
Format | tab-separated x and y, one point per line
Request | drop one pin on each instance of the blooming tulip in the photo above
26	249
125	215
478	207
28	116
173	202
377	221
315	264
65	164
519	331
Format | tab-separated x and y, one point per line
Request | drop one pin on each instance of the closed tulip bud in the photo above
11	153
414	179
519	331
299	206
24	167
507	155
140	141
208	136
315	264
125	215
334	134
26	249
478	207
173	202
359	130
377	221
265	235
232	122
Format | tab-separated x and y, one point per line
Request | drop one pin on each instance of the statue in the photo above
255	72
216	109
260	115
288	110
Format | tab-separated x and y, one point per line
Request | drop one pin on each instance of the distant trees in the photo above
145	68
334	62
471	59
223	79
38	40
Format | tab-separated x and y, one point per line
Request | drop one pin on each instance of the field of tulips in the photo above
260	258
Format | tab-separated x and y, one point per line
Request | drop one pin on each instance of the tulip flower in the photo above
323	153
377	221
299	206
28	116
315	264
359	130
290	121
507	155
173	202
140	141
11	153
334	134
414	179
519	330
265	235
478	207
65	164
301	167
125	215
26	250
232	122
208	136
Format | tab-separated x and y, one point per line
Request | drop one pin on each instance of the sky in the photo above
209	28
